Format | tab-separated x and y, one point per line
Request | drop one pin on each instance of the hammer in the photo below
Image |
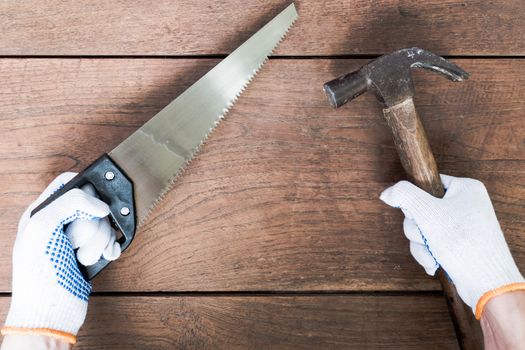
389	78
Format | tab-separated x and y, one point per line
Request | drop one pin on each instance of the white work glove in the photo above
460	233
93	238
50	294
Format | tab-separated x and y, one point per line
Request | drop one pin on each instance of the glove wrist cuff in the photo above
48	332
42	311
485	298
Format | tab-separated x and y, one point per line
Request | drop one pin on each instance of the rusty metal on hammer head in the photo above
389	77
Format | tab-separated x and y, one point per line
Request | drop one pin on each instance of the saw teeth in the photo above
176	176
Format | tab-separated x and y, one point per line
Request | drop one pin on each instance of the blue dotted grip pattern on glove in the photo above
62	258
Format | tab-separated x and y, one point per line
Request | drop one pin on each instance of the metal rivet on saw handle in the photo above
124	211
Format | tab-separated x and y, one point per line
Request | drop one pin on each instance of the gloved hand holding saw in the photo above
50	295
49	292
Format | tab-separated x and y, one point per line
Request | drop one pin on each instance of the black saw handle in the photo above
114	188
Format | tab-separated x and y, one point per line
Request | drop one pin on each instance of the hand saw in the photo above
134	176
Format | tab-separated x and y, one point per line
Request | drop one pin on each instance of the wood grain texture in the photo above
165	27
262	322
284	196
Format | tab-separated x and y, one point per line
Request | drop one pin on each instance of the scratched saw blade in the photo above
158	152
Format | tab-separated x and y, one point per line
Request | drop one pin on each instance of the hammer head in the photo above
389	77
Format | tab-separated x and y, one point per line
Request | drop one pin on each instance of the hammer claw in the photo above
431	61
451	72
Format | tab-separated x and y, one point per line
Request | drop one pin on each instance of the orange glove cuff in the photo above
68	337
495	292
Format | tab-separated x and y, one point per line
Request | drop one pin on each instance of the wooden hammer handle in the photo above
413	148
419	163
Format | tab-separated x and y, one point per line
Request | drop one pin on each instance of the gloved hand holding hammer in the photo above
461	234
449	221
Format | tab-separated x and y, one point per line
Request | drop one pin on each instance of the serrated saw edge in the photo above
196	150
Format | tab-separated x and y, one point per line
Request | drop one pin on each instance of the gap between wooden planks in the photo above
189	27
284	196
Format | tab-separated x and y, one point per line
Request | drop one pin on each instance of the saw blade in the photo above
154	155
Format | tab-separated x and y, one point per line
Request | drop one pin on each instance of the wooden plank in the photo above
284	196
262	322
189	27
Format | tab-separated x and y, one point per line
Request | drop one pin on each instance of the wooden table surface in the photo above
274	237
